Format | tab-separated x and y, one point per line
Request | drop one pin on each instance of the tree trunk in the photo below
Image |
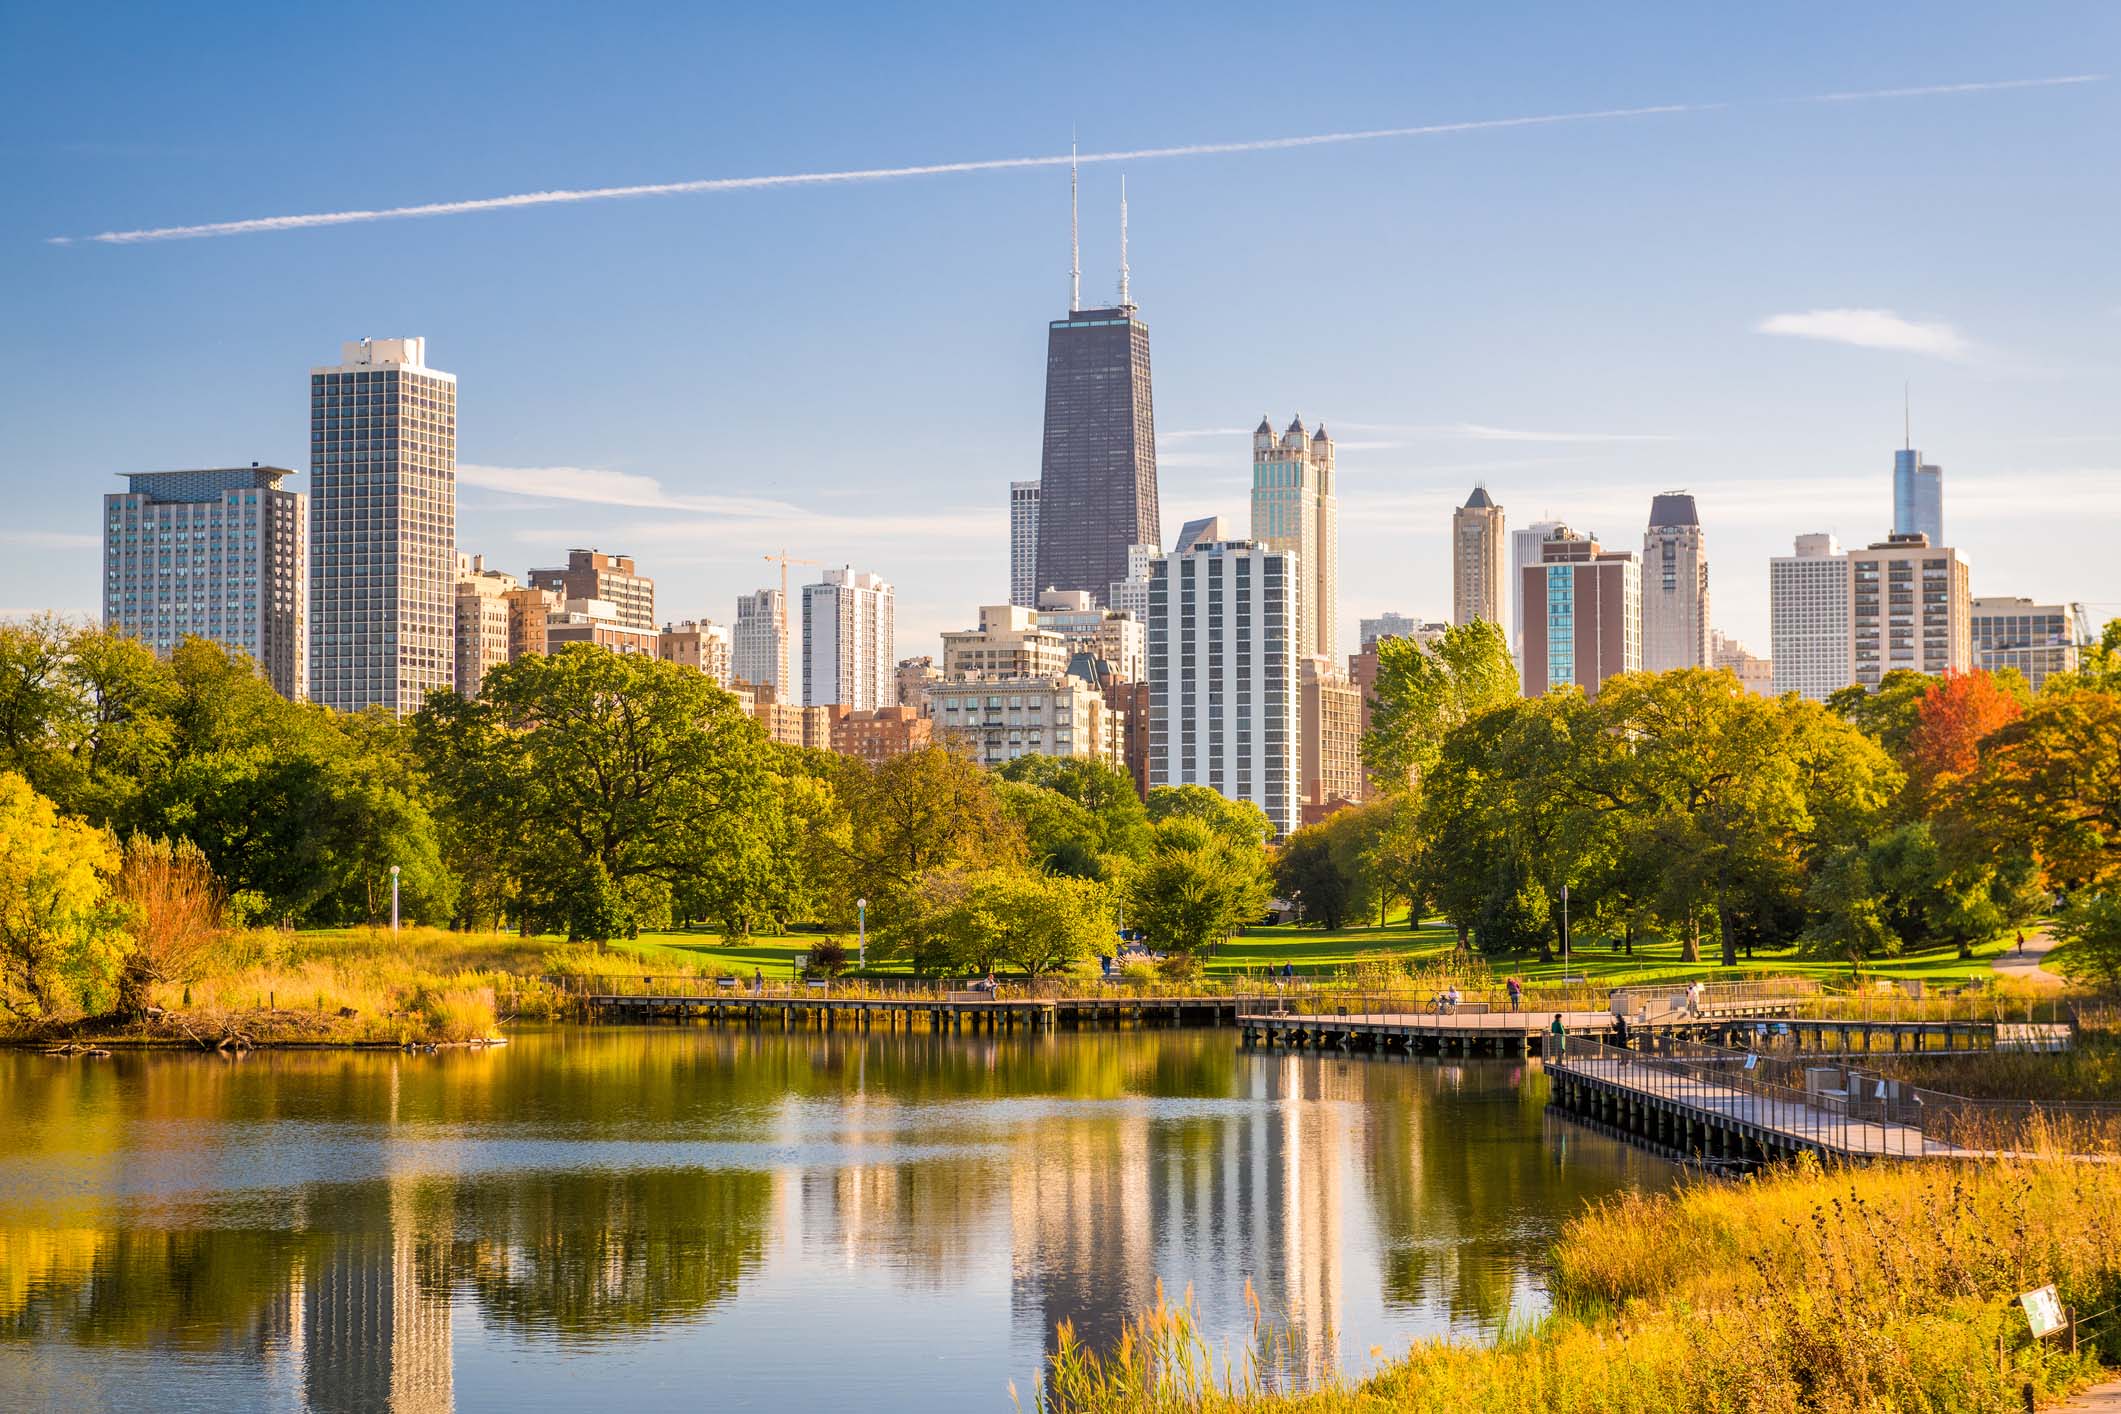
1730	938
1691	951
1627	933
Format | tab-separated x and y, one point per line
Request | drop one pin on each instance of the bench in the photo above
968	996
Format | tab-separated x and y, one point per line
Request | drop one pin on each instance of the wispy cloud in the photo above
310	220
49	539
1482	432
609	488
1870	329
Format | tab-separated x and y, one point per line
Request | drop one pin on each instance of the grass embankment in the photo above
1888	1288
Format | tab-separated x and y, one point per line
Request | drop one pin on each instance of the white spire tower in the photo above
1126	301
1075	237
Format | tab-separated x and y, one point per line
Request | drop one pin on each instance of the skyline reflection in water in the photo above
756	1218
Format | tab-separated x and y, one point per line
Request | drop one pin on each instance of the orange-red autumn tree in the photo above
1955	713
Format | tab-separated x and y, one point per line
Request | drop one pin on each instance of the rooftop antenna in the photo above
1907	418
1075	236
1126	301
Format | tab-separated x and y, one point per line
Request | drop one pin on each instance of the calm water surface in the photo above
655	1219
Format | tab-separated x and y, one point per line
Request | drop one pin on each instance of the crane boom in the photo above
784	559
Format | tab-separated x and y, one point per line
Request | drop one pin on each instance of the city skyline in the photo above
1645	379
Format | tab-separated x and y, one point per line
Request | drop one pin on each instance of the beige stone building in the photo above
1111	636
1009	643
1754	671
1001	719
915	676
2038	640
1910	606
1477	557
1330	716
482	621
1295	508
591	574
878	736
1675	586
528	611
597	621
701	644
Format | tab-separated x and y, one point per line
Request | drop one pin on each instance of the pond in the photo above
669	1217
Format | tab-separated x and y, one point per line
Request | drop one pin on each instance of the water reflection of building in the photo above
371	1338
1082	1215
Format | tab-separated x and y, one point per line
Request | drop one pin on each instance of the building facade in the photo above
1524	550
1476	560
1755	673
879	735
1330	718
215	554
1003	718
1097	491
1295	508
914	677
756	649
1909	607
591	574
382	527
700	644
1130	596
1117	638
1808	617
1583	621
1918	496
1223	688
528	611
1010	642
850	654
1023	543
483	638
598	621
1675	586
2039	640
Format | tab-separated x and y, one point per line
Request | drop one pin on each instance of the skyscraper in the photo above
1918	496
1223	677
1583	621
591	574
1476	560
1675	586
1524	550
1023	543
755	648
1097	473
850	657
1294	508
209	554
1808	614
1910	606
382	527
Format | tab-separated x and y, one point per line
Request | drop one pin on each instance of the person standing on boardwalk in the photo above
1516	989
758	982
1560	1034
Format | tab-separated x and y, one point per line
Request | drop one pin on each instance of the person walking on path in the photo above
758	982
1561	1036
2021	942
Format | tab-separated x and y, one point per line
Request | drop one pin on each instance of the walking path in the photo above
2099	1399
2027	968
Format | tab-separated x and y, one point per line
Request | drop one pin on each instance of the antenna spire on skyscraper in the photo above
1126	301
1075	237
1907	416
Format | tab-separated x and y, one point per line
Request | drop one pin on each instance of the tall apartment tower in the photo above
1910	606
1918	496
850	655
1097	472
1224	684
1023	543
1476	560
382	527
1294	508
210	554
1675	586
591	574
483	609
1583	618
1524	550
755	648
1808	615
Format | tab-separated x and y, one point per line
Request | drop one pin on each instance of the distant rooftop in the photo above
204	483
1674	508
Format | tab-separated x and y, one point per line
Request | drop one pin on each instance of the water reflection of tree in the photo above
585	1255
194	1290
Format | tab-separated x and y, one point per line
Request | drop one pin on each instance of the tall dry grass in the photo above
1851	1290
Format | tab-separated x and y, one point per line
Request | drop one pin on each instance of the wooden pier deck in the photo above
941	1011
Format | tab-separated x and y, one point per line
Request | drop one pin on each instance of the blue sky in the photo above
1575	313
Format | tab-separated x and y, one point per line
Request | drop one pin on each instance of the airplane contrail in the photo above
261	224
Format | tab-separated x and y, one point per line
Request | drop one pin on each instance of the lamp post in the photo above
861	933
393	903
1564	935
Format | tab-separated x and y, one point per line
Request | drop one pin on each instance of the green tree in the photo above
1104	790
62	939
911	817
1197	887
1062	837
2091	926
1423	691
1887	713
1307	873
1237	820
1049	922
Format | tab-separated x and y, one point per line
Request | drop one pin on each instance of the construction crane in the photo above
784	559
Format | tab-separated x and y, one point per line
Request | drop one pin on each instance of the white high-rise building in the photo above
1524	550
850	654
1131	595
210	554
1294	508
1023	543
1476	560
1808	609
1223	674
755	655
382	527
1675	586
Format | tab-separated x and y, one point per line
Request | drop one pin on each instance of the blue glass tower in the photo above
1918	496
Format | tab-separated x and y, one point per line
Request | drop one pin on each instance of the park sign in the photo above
2043	1311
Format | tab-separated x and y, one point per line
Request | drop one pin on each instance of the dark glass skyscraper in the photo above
1097	476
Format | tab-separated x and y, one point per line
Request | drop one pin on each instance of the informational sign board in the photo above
2043	1311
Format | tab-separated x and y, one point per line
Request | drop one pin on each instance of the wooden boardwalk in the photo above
940	1011
1464	1033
